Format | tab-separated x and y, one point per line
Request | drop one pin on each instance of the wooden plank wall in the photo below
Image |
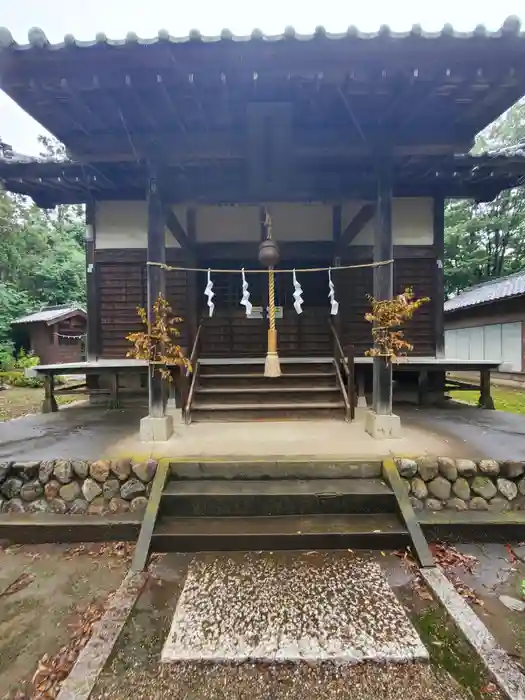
122	281
122	284
416	270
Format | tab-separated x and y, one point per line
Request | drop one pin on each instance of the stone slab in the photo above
505	672
382	427
156	429
280	607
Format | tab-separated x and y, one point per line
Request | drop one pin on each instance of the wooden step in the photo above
276	497
271	387
262	397
273	406
256	381
231	414
254	376
356	531
256	366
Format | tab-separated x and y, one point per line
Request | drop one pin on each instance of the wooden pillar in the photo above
49	404
93	311
192	312
485	397
156	278
337	230
383	282
439	280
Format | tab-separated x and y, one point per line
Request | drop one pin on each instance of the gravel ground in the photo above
135	671
368	681
282	606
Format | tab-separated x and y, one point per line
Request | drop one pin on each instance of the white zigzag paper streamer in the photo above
331	295
297	295
210	294
245	301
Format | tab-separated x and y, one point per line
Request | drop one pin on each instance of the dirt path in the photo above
42	591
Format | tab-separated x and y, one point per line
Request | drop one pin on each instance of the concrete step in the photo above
275	468
356	531
276	497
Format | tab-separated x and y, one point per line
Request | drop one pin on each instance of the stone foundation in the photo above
77	487
464	484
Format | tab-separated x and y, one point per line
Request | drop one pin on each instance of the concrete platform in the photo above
307	607
92	432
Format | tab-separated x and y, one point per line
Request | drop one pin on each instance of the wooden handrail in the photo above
348	362
194	370
338	343
348	411
193	355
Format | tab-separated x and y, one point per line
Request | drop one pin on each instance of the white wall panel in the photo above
497	342
124	224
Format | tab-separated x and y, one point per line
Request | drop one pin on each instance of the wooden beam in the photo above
93	309
439	281
351	114
228	145
356	225
176	228
383	282
337	223
156	278
191	279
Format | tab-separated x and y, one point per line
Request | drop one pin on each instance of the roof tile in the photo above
37	38
487	292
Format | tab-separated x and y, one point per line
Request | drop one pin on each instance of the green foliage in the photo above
18	378
26	360
42	258
486	240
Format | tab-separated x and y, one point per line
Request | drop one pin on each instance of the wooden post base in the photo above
49	404
485	398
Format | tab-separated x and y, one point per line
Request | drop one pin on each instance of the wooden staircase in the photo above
236	389
219	506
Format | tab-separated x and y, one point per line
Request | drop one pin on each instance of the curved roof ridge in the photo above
37	38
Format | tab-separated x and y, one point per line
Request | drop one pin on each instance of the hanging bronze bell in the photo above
269	253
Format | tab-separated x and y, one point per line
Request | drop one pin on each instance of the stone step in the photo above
276	468
276	497
286	532
287	608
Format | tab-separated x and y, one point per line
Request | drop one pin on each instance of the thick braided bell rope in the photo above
271	297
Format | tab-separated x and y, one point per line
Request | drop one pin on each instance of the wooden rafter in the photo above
176	228
356	225
351	114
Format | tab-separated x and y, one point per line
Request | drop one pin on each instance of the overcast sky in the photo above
84	18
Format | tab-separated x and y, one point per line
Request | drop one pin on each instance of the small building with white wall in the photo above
486	322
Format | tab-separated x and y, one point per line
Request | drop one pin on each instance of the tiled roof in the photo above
487	292
7	155
37	38
49	315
